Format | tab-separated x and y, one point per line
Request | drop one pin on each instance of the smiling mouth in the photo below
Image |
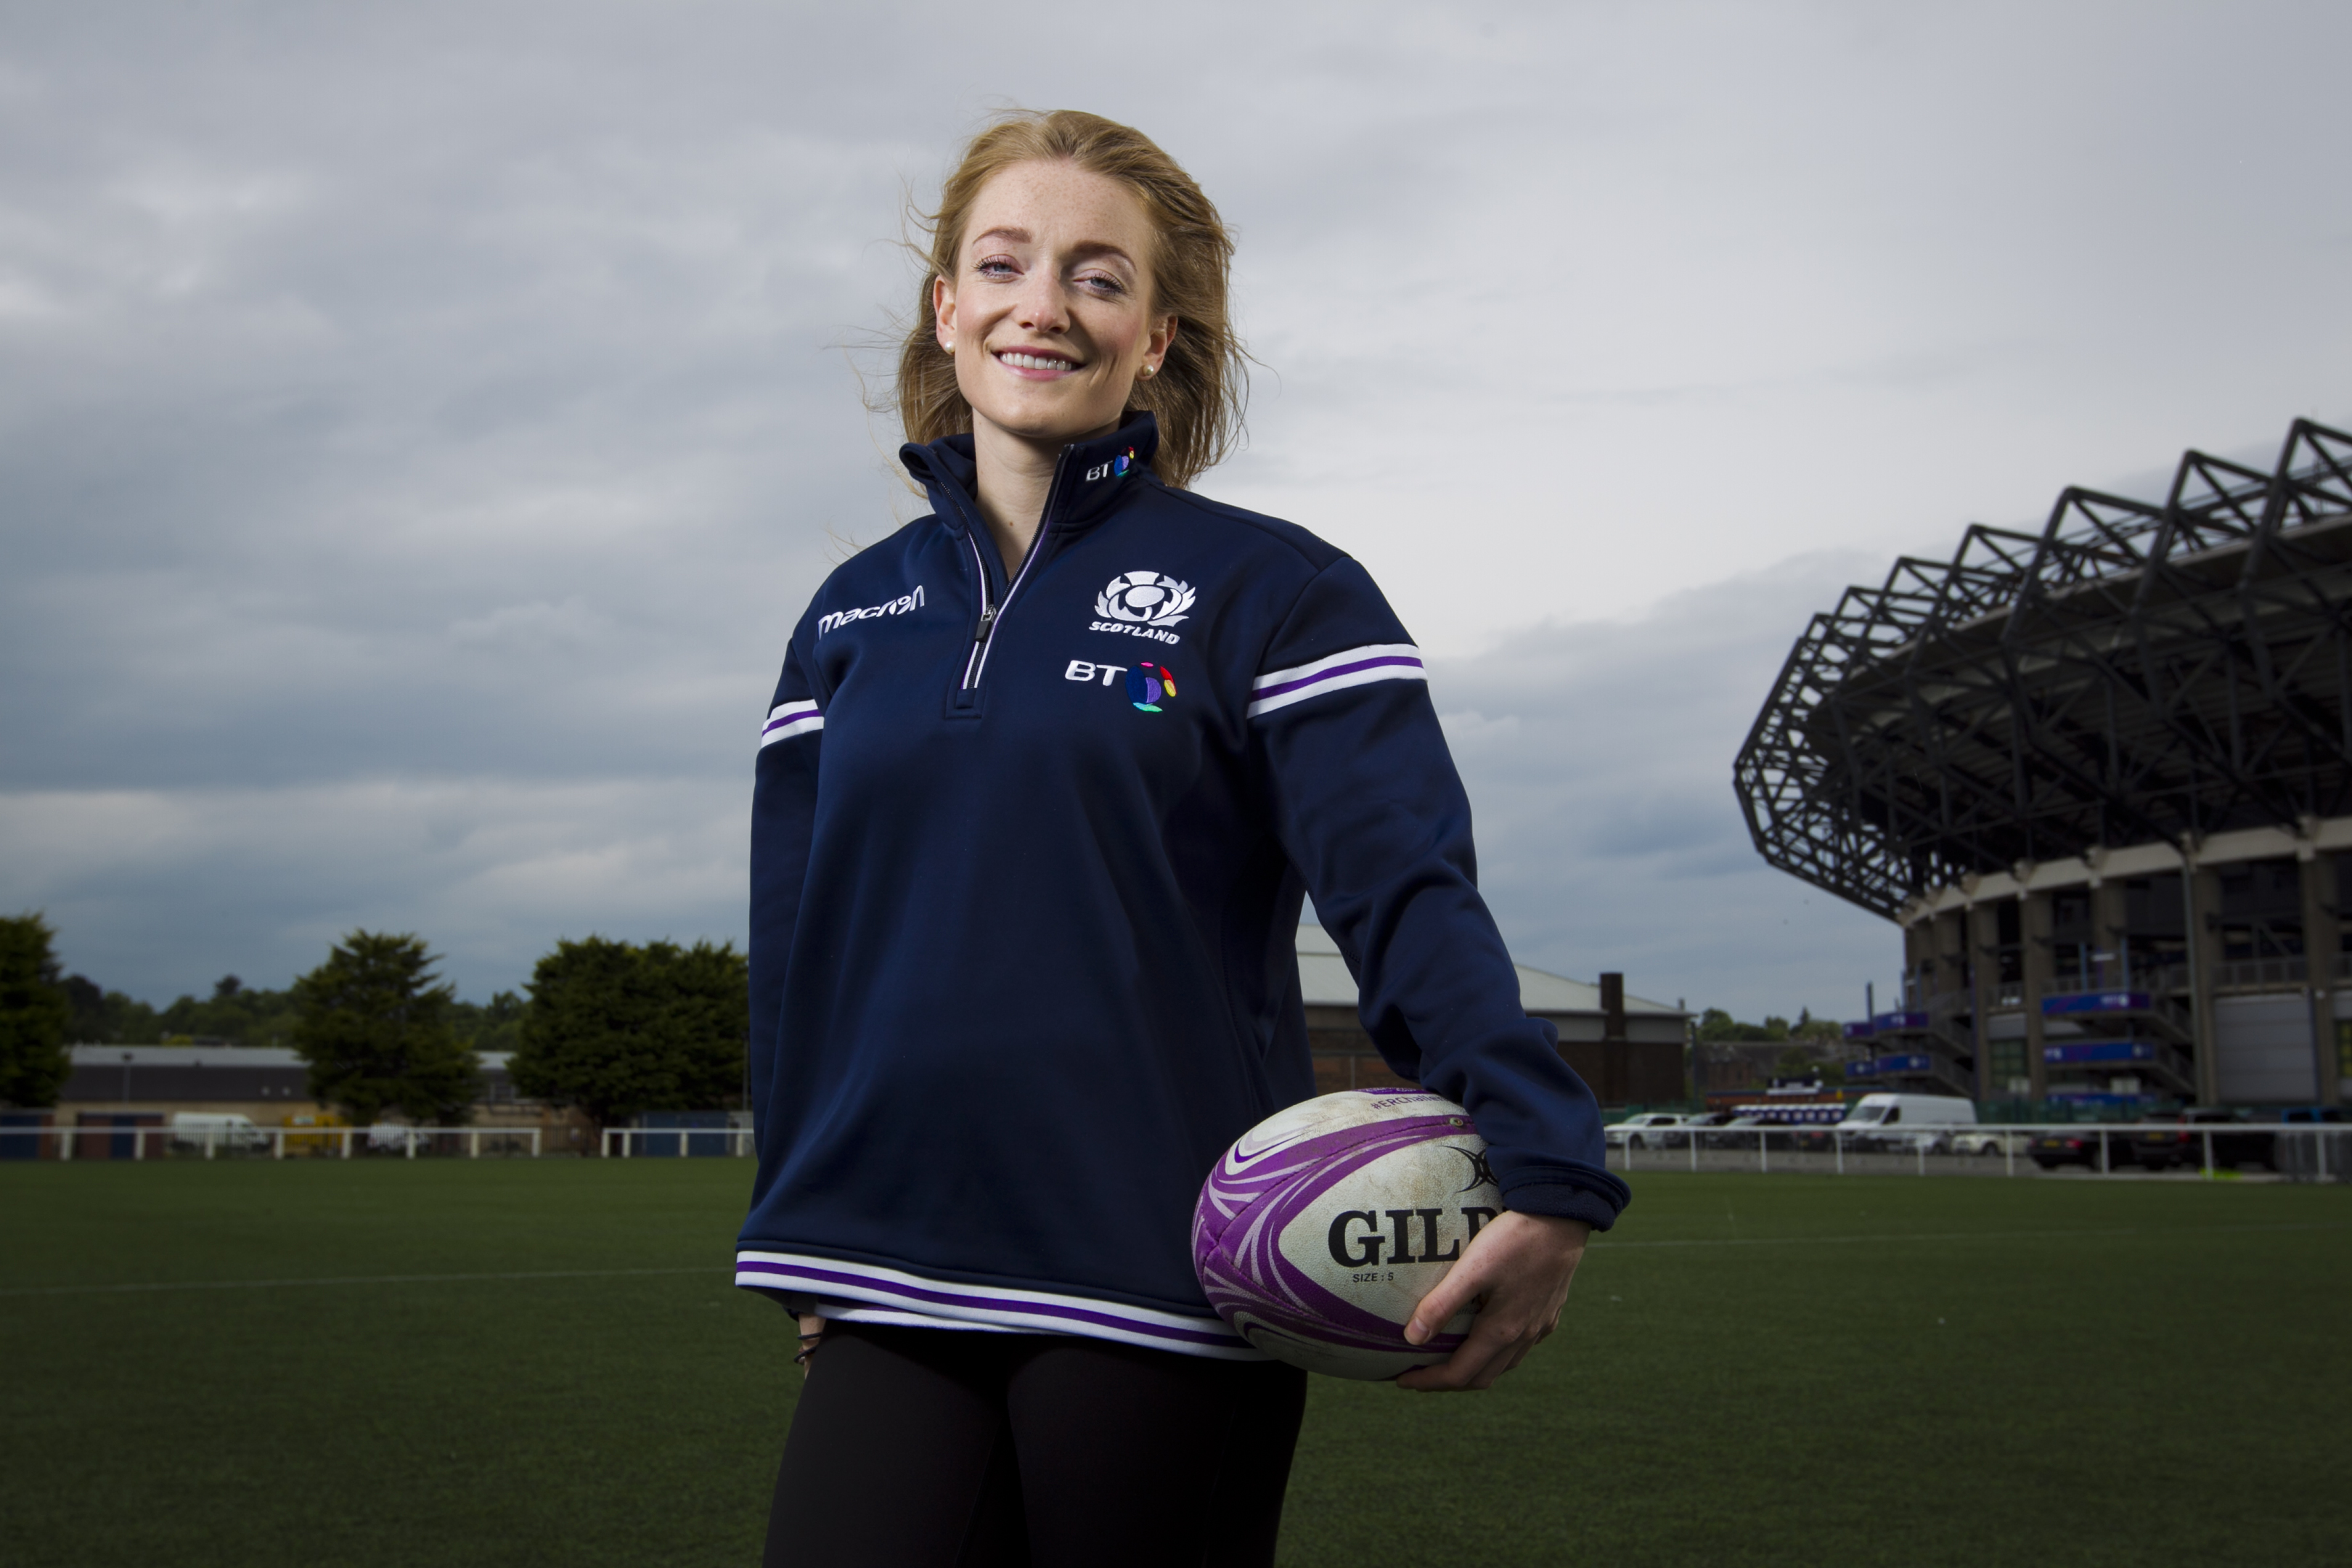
1022	360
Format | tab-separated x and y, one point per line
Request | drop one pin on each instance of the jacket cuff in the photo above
1567	1200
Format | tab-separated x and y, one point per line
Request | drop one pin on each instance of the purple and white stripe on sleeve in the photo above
789	718
1356	667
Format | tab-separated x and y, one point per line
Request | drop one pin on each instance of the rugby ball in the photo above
1320	1232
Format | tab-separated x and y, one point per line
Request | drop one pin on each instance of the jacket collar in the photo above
1089	477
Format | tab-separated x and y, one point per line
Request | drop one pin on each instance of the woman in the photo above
1045	777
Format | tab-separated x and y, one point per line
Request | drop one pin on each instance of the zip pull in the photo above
987	619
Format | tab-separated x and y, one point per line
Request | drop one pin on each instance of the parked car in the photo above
1906	1121
2080	1146
1740	1132
2244	1144
2324	1155
196	1129
1647	1130
1990	1143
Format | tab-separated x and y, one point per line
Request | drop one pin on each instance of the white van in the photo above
197	1129
1906	1121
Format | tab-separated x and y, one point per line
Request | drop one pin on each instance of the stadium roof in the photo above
2135	672
1325	982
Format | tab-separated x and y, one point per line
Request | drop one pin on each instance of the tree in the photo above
491	1026
234	1012
33	1014
1715	1024
616	1029
376	1032
108	1017
1820	1031
87	1003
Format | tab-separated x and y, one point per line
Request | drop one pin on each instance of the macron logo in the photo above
898	606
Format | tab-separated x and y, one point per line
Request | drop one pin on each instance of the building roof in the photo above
222	1056
1325	982
187	1057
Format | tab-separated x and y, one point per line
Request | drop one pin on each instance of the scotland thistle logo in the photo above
1144	598
1148	683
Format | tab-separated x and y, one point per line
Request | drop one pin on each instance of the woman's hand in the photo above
1517	1272
812	1335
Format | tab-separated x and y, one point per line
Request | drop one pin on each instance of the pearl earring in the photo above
1150	370
950	345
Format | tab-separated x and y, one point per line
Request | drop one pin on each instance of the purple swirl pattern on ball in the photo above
1248	1200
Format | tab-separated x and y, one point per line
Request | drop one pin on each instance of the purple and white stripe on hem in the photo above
1356	667
832	1282
786	720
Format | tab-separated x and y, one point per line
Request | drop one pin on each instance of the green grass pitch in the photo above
1753	1370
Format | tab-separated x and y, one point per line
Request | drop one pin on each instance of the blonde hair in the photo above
1202	382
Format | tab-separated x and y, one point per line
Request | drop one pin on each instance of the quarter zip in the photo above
987	624
991	612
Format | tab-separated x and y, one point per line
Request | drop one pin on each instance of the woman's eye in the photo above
994	267
1103	283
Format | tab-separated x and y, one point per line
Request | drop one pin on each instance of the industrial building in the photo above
114	1091
2101	776
1627	1049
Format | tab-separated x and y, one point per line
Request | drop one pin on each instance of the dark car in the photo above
2245	1143
1743	1131
2080	1146
1712	1119
2323	1156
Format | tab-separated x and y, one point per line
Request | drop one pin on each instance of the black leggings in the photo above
945	1448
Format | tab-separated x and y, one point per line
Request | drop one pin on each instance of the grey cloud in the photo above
420	426
1598	756
161	891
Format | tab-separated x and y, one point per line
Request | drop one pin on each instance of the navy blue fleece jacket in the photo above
1028	856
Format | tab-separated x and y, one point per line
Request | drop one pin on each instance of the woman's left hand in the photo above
1517	1273
812	1335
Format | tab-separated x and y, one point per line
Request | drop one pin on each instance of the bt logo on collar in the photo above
1114	469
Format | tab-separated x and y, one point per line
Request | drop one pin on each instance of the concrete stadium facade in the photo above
2101	776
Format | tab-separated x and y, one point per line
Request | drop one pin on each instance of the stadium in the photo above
2101	776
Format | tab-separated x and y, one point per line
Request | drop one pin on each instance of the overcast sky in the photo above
421	426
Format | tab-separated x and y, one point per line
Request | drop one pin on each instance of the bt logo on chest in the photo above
1148	684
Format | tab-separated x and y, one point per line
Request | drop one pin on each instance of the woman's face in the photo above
1048	314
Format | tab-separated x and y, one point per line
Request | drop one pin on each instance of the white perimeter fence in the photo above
252	1140
2308	1151
2321	1152
628	1138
